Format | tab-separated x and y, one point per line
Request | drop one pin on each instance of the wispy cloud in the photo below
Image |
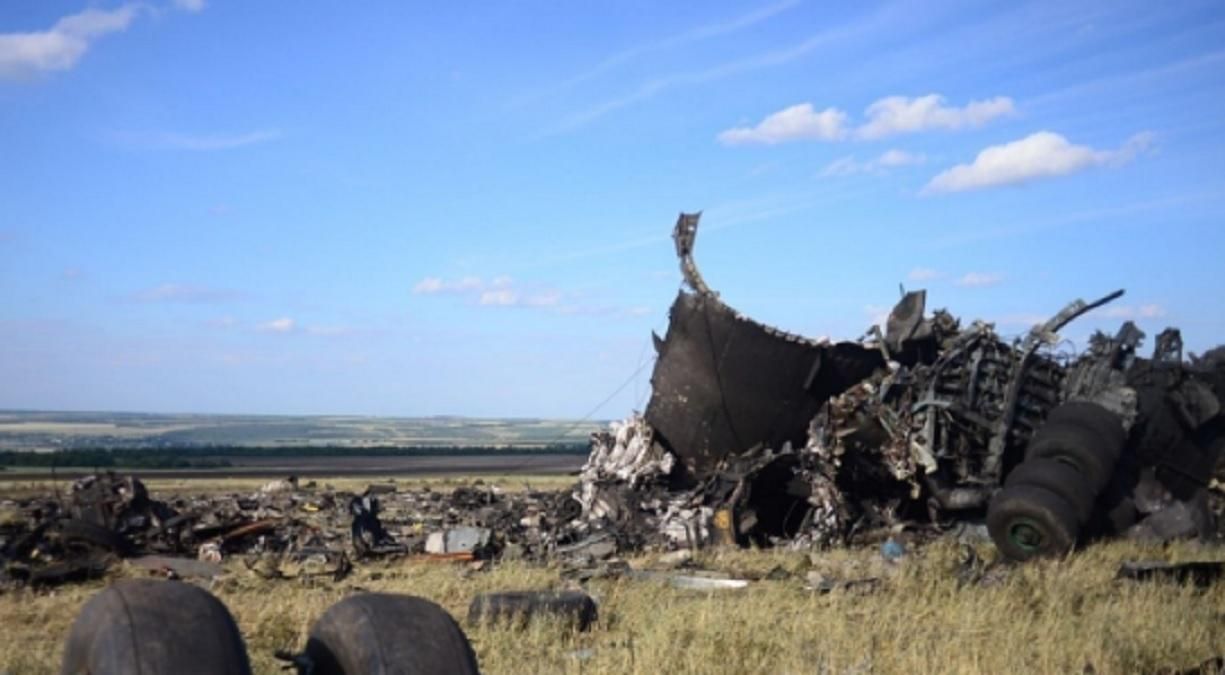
1022	320
894	158
684	38
187	294
890	159
1044	154
505	292
281	325
979	280
191	5
166	140
775	57
437	285
888	116
61	46
1024	228
500	291
1131	312
329	330
878	315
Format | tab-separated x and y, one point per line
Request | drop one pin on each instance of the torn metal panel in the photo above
724	384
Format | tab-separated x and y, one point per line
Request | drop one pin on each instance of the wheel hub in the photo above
1027	535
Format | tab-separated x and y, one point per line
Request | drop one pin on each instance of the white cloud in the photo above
502	297
1044	154
63	45
899	115
877	314
1128	312
978	280
921	274
799	122
186	293
695	34
1023	320
890	159
329	331
887	116
436	285
191	5
198	142
504	291
428	286
844	166
895	157
546	298
281	325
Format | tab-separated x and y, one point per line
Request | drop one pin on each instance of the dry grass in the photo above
1048	617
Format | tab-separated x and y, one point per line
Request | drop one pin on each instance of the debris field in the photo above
752	437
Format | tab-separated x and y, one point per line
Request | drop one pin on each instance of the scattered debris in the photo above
692	582
177	568
753	437
759	437
576	608
1201	573
822	584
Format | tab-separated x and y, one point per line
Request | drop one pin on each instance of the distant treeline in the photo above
215	457
108	458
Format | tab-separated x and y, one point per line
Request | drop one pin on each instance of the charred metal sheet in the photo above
905	325
725	384
1046	333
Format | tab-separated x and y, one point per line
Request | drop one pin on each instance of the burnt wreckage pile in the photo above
285	530
759	436
753	436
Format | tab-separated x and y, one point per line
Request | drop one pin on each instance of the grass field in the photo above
45	430
1047	617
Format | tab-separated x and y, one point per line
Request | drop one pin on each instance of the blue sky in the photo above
401	209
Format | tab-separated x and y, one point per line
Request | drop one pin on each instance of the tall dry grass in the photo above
1045	617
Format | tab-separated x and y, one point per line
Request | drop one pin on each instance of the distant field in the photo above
253	467
42	431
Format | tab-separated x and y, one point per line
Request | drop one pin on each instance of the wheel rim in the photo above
1026	534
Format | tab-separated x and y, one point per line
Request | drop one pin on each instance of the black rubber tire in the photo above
148	626
576	607
1027	521
1060	478
83	531
1093	416
1077	445
387	634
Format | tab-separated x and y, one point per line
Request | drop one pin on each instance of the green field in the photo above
44	431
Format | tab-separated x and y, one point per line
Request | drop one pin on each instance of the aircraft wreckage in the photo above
761	437
752	436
